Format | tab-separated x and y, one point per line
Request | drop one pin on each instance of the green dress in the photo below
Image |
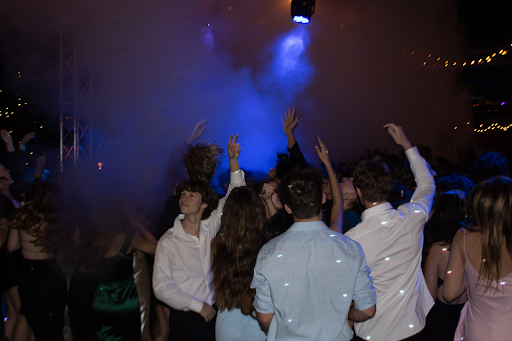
116	302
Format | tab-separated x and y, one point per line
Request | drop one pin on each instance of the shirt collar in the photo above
308	225
369	212
177	228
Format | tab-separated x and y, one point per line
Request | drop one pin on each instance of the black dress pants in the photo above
190	326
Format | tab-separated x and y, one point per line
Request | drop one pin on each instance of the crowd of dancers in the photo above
389	248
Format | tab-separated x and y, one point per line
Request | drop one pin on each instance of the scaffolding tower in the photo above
75	100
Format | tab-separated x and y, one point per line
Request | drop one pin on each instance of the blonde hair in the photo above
490	204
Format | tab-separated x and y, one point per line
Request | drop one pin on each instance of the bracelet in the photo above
5	226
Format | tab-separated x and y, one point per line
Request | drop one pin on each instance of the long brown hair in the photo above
490	204
40	217
236	247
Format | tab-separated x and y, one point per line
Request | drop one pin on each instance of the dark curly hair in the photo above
236	247
208	195
488	165
454	182
301	191
202	160
373	178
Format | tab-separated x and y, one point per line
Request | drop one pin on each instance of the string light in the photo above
490	58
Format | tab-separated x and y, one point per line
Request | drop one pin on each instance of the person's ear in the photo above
186	170
288	209
359	192
204	205
324	198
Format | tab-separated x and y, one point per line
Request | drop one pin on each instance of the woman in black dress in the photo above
36	229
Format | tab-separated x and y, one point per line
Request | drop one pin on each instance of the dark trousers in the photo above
190	326
421	336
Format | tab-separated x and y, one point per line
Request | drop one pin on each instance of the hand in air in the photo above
233	147
266	191
322	152
398	135
6	136
289	120
207	312
197	132
27	137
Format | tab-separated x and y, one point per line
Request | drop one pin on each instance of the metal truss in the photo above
75	103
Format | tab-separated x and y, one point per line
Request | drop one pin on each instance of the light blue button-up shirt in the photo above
307	277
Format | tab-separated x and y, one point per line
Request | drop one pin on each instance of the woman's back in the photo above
489	311
29	249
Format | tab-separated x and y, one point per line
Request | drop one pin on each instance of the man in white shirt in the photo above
392	241
182	276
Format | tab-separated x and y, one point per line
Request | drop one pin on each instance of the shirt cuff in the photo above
263	307
412	154
196	306
237	178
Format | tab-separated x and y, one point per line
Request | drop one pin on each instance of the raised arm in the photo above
236	179
7	138
425	185
266	195
290	121
337	198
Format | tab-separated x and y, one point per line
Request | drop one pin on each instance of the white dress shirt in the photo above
392	241
182	274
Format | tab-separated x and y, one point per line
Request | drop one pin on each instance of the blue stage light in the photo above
302	10
300	19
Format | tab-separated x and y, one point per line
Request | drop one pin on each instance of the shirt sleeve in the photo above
236	179
163	285
364	296
425	186
262	300
297	159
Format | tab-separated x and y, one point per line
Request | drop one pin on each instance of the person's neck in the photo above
315	218
191	224
368	204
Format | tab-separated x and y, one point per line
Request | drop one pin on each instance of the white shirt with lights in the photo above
392	241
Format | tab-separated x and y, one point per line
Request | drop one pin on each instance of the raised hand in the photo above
289	120
266	191
398	135
6	136
25	139
197	132
233	147
322	152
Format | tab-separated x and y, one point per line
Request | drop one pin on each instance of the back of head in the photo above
490	204
283	166
488	165
454	182
449	215
302	193
202	160
373	178
236	246
208	195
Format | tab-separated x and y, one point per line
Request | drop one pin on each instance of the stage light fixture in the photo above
302	10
